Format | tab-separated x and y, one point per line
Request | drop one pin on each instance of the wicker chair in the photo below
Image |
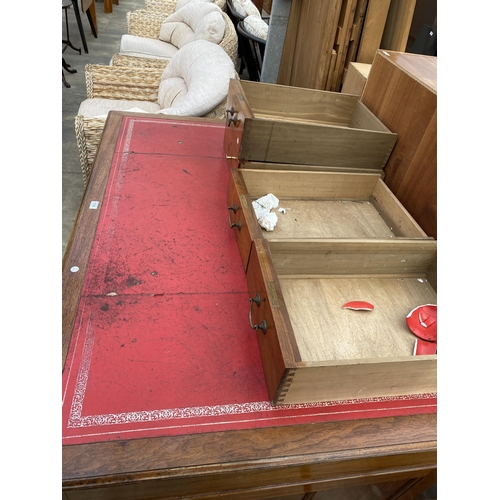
110	82
252	52
147	24
120	83
138	62
166	7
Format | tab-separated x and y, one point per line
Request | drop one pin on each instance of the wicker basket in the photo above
146	24
167	7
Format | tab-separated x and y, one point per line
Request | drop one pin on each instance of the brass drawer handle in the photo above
232	117
233	208
263	325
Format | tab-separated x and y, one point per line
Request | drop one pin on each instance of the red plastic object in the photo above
422	347
359	305
422	321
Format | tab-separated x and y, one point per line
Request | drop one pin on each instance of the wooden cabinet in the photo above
402	91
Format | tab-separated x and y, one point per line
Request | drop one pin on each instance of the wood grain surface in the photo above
399	452
402	92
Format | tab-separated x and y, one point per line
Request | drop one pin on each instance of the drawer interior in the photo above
331	205
313	349
293	104
324	331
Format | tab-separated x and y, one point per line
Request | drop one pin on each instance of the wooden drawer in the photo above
312	349
343	237
319	206
283	126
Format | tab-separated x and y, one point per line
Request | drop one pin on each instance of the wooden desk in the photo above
392	456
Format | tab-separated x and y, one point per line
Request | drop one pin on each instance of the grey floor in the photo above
110	29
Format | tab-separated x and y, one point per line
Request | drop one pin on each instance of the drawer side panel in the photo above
368	380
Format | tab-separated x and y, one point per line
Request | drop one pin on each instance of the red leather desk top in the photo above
161	343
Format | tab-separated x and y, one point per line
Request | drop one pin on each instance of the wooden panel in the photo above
355	80
303	126
347	40
277	345
308	43
363	118
401	92
329	219
380	491
298	143
398	24
390	209
302	184
364	380
418	188
357	28
373	29
77	250
307	168
234	130
297	104
324	331
240	215
352	257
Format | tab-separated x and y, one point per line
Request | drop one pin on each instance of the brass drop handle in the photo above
232	117
263	325
233	208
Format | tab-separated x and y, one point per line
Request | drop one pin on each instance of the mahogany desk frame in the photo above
239	464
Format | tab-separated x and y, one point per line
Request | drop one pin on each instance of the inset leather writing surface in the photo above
164	229
161	343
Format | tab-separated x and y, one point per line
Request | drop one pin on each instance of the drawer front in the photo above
241	216
236	113
316	144
269	317
320	129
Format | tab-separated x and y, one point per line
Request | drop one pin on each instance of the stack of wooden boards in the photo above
322	39
342	236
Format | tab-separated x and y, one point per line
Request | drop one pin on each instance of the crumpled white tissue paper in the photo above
269	221
262	207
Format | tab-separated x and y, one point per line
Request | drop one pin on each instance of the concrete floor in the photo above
110	29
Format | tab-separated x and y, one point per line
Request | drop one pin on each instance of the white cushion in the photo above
139	46
182	3
206	70
256	26
100	107
211	28
176	33
245	8
194	21
171	90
